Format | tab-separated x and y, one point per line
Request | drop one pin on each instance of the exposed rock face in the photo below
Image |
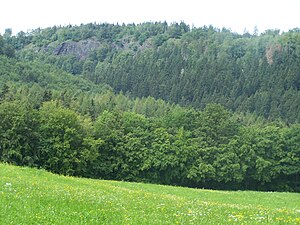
80	49
270	52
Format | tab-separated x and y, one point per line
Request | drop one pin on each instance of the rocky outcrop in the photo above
80	49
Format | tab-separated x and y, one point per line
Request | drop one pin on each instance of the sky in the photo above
237	15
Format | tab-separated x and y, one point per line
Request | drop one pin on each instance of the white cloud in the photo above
235	14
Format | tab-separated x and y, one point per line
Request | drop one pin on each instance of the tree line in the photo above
189	66
236	126
109	136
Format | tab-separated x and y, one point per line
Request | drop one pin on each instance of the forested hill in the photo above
246	73
56	112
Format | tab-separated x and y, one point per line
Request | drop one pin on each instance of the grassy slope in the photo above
31	196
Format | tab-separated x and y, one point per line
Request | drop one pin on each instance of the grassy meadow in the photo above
31	196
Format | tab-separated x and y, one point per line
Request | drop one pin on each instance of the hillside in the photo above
14	72
69	125
193	67
31	196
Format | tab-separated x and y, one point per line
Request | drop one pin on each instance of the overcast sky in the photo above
236	15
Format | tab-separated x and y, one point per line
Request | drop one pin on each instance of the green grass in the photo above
31	196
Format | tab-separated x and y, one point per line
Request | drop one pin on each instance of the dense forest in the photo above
193	67
153	102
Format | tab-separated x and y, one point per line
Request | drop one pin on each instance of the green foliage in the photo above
6	48
65	145
194	67
56	113
45	75
18	134
175	146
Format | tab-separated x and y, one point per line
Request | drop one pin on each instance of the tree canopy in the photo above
153	102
